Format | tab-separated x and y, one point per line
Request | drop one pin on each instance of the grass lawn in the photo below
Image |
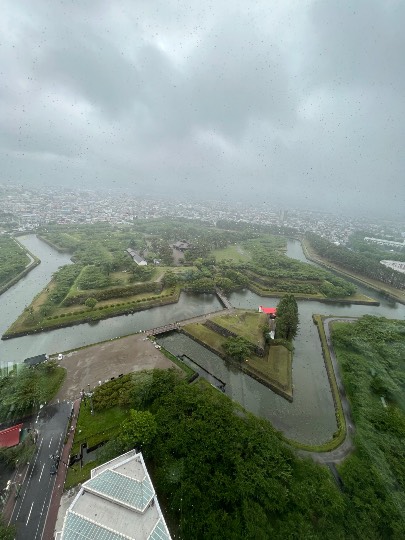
206	335
77	475
276	367
245	323
101	426
235	252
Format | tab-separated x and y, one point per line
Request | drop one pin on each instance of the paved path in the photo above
60	478
343	450
31	507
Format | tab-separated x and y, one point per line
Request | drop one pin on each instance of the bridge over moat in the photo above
228	308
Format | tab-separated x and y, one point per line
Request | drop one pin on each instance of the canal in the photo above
309	419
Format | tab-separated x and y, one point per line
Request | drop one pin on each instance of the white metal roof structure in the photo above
117	503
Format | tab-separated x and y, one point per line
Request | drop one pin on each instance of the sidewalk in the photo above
54	503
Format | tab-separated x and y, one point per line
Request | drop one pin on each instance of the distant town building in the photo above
136	257
395	265
382	242
118	501
182	245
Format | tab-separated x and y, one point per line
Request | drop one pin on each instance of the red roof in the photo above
10	436
268	310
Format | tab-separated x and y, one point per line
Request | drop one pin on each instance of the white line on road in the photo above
50	442
42	470
29	479
48	504
29	515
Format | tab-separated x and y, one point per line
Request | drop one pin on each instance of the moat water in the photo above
309	419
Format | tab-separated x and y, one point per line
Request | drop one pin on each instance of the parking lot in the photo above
87	367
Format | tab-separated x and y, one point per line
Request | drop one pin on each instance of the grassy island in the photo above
269	364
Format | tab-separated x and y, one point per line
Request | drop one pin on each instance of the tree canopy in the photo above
287	318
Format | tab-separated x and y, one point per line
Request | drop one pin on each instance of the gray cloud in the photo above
294	103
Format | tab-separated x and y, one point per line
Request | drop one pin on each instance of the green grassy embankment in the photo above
340	434
30	266
72	315
378	286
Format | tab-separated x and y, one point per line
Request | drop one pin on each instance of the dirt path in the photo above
100	362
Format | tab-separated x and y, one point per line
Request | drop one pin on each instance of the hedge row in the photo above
118	292
108	306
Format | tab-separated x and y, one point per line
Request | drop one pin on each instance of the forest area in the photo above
365	261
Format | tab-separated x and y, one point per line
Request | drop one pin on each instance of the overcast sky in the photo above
290	102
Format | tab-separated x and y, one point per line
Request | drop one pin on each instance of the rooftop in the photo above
10	436
118	502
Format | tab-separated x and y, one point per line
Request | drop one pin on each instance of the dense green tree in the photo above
90	302
358	262
169	279
139	429
287	318
238	348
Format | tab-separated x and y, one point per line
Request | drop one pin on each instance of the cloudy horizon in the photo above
298	103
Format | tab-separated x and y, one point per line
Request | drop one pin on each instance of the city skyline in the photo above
296	104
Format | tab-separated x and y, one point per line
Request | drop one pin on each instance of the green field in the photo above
206	335
245	323
276	366
236	253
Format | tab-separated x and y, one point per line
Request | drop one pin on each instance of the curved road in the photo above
343	450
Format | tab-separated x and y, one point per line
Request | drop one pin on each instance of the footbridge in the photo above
162	329
223	299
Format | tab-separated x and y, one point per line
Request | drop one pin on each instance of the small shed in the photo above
270	311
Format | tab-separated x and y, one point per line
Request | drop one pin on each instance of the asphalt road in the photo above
31	508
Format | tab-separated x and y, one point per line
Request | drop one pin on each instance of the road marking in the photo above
29	479
48	503
29	515
42	470
50	441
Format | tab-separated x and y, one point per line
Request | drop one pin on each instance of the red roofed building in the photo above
271	311
10	436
